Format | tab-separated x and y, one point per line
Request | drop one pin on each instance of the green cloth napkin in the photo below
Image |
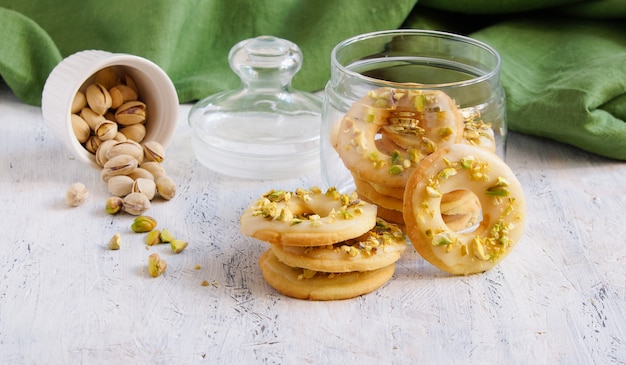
564	75
565	80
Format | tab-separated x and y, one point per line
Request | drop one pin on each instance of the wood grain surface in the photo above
559	298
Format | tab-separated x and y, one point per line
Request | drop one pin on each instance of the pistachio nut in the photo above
130	148
98	98
178	245
135	132
115	241
118	165
93	143
135	203
153	151
145	186
155	168
130	82
78	102
132	112
106	77
114	205
81	128
156	265
101	153
143	224
76	195
140	172
91	117
120	185
120	137
166	187
117	98
152	238
106	130
127	92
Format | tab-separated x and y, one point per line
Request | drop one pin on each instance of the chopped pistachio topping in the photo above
433	193
395	156
445	132
445	173
443	238
396	169
307	274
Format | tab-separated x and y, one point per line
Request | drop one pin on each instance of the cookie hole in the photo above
461	210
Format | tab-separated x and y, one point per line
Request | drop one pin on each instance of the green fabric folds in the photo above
564	61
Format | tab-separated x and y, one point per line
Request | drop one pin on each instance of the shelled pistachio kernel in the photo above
115	241
114	205
166	236
153	237
156	265
143	224
178	245
76	195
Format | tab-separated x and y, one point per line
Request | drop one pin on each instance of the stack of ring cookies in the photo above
434	172
323	245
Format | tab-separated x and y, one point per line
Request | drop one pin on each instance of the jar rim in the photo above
493	71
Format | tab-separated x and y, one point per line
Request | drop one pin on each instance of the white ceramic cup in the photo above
77	71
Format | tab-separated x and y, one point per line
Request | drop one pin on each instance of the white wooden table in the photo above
560	297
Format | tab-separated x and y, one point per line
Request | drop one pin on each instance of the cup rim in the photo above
419	32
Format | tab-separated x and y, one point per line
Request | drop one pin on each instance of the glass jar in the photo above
465	69
264	129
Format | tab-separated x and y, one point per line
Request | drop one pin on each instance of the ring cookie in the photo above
502	202
383	245
307	217
417	122
304	284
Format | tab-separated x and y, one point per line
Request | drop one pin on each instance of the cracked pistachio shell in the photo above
145	186
92	144
91	117
155	168
98	98
81	128
135	203
128	147
101	153
120	185
153	151
135	132
78	102
132	112
106	130
166	187
118	165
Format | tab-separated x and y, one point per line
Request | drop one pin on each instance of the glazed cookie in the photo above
381	246
306	284
307	217
502	202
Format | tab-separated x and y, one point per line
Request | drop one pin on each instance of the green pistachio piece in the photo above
143	223
178	245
